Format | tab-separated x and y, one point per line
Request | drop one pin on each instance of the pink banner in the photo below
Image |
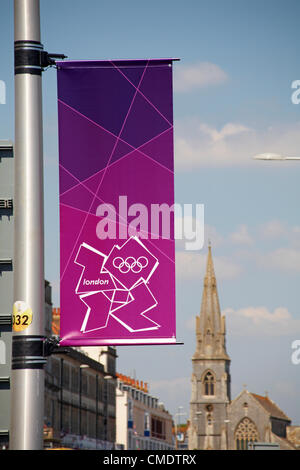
117	248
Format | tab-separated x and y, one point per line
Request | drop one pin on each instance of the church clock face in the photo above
209	408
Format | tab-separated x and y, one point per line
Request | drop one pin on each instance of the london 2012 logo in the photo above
130	264
115	285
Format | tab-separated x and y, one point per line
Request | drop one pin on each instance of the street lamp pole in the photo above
274	156
29	346
27	388
176	426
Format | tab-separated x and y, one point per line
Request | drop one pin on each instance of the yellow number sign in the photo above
22	316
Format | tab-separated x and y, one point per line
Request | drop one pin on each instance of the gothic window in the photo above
245	433
209	384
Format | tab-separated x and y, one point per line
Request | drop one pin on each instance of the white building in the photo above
142	422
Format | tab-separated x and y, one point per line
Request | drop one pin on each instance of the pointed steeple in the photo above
210	379
210	325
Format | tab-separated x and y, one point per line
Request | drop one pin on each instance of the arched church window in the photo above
209	383
245	433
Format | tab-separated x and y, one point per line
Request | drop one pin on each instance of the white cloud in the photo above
260	321
191	265
228	130
241	236
199	75
295	236
276	229
197	144
286	259
234	144
273	229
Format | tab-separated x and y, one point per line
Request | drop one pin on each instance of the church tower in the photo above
210	376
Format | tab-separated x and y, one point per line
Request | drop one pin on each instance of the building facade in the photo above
142	422
6	284
80	397
256	418
80	404
216	421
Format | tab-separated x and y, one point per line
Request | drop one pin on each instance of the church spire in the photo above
210	325
211	371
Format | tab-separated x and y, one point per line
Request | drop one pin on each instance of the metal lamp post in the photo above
27	391
28	342
176	425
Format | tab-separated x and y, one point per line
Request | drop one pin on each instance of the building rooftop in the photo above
271	407
138	384
6	144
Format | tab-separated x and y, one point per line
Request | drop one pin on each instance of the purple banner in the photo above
116	182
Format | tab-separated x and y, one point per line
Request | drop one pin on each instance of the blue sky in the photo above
232	99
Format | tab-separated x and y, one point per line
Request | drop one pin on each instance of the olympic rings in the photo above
130	264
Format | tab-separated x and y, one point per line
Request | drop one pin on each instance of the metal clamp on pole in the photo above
49	59
31	352
28	352
30	57
51	346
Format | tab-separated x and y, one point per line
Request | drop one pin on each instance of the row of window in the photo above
78	380
138	443
139	395
73	420
6	203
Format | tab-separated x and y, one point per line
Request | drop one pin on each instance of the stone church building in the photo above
216	421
